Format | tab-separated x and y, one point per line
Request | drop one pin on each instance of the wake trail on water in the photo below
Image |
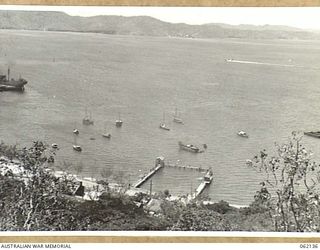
269	64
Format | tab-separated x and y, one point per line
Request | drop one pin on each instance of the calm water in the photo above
142	77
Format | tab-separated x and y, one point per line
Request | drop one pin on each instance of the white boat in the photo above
119	121
243	134
87	120
163	124
106	134
75	146
54	145
76	131
176	117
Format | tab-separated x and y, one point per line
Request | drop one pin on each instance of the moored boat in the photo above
163	124
189	147
87	120
313	134
106	135
176	117
243	134
7	84
54	145
77	148
119	122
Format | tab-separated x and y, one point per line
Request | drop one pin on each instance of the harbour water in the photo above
142	77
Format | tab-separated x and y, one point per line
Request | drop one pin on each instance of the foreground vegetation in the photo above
37	200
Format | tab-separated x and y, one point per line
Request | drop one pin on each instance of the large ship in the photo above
7	84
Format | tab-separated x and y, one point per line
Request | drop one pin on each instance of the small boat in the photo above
230	60
119	122
76	131
106	135
176	117
243	134
208	177
54	145
313	134
163	124
92	138
77	148
87	120
189	147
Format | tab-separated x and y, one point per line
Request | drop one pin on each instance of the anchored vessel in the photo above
87	120
313	134
106	134
163	124
7	84
176	117
75	146
189	147
243	134
119	122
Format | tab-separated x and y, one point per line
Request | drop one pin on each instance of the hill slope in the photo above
144	26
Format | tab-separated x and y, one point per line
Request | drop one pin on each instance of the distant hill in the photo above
144	26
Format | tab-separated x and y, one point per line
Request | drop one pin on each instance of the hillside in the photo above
144	26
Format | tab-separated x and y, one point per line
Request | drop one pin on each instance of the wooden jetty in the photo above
207	179
159	165
186	167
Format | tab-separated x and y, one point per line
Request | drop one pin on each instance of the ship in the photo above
313	134
176	117
189	147
119	121
243	134
163	124
7	84
87	120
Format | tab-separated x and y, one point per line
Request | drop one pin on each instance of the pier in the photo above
207	179
186	167
159	165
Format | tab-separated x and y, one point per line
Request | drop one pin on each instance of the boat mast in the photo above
8	73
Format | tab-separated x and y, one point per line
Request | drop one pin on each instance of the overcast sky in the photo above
302	17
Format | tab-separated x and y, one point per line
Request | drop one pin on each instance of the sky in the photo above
300	17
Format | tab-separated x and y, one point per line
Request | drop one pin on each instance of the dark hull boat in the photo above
313	134
164	127
7	84
190	148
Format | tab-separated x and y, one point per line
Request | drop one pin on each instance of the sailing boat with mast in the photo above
119	121
75	146
163	124
75	130
106	134
87	120
176	117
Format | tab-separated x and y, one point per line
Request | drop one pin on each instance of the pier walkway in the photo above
186	167
149	175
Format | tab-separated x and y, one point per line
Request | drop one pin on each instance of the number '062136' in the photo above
305	246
